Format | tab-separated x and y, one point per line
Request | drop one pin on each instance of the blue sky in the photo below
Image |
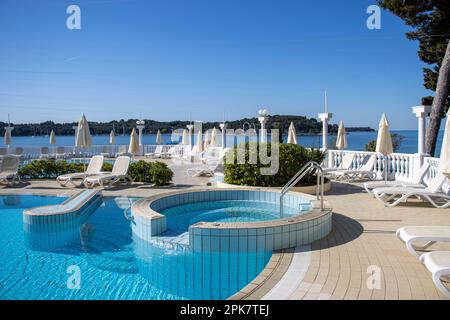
199	59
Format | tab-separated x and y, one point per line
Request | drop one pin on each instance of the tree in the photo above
431	22
397	140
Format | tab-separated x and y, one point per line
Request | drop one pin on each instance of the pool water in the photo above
180	217
106	261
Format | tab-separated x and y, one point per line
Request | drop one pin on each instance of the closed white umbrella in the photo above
341	140
444	163
185	139
84	139
292	135
384	142
199	142
158	137
52	138
213	141
112	138
207	140
134	143
7	138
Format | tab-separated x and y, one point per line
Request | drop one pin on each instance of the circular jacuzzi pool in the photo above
231	215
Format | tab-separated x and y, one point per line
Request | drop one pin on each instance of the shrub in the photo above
397	140
291	159
154	172
157	173
48	169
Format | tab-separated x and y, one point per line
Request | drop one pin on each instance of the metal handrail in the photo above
306	169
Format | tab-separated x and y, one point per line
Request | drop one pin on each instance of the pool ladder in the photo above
308	168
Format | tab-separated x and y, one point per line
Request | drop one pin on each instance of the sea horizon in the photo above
356	140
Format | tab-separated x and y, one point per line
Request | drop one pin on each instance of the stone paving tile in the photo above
363	236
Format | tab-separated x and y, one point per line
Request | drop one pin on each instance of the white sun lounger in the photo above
393	196
202	170
438	263
364	172
119	174
416	182
94	168
428	234
346	164
9	172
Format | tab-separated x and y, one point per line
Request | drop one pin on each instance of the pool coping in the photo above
93	193
142	208
274	271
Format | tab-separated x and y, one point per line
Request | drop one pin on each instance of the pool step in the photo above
50	227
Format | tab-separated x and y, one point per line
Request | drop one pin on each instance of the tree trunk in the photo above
437	110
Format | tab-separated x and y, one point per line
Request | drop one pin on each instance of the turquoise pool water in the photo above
106	261
181	216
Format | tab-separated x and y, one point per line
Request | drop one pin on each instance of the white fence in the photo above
401	166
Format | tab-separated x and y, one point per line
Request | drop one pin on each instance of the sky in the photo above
205	60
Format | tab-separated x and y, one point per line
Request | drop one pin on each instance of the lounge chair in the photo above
428	234
123	151
45	153
119	174
415	183
94	168
365	171
438	263
106	152
9	172
202	170
61	153
346	164
393	196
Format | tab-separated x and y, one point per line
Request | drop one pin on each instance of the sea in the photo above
356	140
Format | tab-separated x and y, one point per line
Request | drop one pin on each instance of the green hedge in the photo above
291	159
157	173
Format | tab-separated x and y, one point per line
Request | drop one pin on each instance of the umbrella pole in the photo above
385	170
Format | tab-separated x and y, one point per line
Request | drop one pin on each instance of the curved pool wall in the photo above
292	231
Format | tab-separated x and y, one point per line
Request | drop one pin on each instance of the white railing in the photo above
402	166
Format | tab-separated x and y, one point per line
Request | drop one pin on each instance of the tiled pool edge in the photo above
268	235
276	268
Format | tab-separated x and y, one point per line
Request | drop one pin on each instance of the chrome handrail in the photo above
308	168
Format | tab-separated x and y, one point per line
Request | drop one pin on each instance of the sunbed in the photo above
438	263
365	171
432	193
427	235
119	174
9	172
346	164
415	183
94	168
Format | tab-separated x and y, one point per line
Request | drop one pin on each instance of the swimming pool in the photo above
108	261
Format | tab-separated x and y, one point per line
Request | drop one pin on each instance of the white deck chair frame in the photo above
94	168
428	235
108	179
440	271
346	164
393	196
364	172
416	183
9	173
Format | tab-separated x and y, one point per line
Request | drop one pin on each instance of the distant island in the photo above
302	124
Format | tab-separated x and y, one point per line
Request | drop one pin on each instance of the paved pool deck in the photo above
336	267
